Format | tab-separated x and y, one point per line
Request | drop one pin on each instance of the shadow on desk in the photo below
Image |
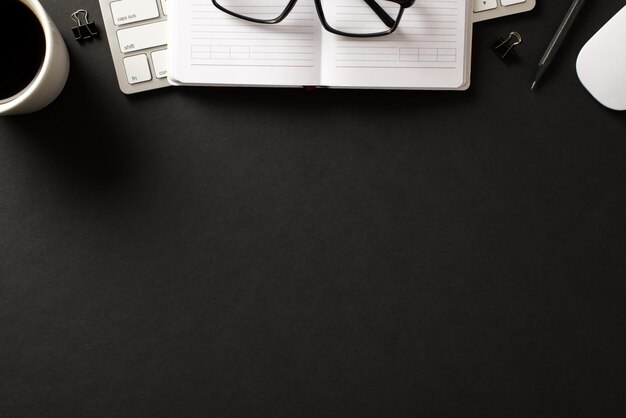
97	160
79	149
284	98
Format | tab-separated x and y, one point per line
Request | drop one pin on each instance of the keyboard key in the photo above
159	60
131	11
491	9
483	5
142	37
139	55
137	69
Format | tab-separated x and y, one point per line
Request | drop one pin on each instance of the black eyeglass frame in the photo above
391	23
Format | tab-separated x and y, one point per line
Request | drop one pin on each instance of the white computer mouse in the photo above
601	63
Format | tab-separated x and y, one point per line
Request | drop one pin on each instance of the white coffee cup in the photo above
50	80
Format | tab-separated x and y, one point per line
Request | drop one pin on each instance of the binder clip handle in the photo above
504	48
85	30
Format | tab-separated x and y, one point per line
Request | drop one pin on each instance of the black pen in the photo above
557	40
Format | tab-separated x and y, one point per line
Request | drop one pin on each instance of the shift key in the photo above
142	37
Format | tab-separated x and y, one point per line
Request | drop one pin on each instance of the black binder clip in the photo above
83	31
505	48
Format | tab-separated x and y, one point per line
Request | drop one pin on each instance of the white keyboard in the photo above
137	33
490	9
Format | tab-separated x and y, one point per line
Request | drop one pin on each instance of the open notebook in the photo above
431	49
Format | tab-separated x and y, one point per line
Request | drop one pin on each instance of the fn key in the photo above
137	69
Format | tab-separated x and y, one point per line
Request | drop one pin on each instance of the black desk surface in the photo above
232	252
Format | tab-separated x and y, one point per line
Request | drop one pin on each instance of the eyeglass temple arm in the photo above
382	14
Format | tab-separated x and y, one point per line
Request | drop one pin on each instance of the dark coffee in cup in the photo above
22	46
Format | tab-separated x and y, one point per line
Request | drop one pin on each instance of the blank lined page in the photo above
430	48
212	47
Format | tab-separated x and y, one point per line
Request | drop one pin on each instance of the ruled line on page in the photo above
428	33
220	39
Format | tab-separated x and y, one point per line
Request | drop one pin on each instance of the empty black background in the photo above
231	252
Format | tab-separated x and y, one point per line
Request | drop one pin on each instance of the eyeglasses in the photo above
356	18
